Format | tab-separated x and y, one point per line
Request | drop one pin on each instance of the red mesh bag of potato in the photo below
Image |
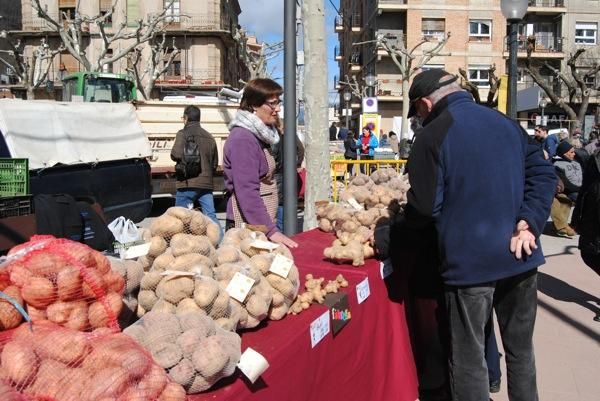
62	281
44	361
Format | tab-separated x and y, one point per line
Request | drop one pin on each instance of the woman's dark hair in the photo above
257	91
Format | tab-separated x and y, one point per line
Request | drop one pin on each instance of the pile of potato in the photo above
191	292
285	289
54	363
194	351
132	272
366	201
179	231
62	281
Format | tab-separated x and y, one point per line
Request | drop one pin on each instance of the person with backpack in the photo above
195	152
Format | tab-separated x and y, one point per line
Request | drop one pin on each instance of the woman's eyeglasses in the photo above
273	103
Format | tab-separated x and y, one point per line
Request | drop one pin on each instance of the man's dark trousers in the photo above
469	307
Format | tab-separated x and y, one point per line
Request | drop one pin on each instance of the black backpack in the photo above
189	165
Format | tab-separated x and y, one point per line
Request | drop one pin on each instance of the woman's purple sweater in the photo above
244	165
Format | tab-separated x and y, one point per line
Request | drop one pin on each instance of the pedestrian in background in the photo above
367	143
394	143
333	130
549	141
200	188
350	149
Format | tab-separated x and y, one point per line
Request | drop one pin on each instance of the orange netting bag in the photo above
62	281
47	362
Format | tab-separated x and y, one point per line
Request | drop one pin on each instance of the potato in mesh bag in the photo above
194	350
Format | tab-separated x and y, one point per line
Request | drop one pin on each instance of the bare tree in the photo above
157	64
315	100
256	60
573	77
31	71
493	80
409	61
356	88
71	31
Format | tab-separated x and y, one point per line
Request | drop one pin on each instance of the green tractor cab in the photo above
99	87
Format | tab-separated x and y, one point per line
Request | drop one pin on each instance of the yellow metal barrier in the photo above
339	170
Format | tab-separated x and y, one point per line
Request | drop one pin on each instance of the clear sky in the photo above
264	18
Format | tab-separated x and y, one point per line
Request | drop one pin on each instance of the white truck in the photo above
161	120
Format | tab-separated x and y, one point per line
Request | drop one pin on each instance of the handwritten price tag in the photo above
239	287
281	266
319	328
362	290
386	268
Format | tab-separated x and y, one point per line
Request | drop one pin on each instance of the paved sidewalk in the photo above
567	339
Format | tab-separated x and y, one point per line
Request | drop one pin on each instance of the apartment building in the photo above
558	28
478	41
205	32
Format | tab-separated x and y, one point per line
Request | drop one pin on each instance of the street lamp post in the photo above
513	11
543	104
370	81
347	97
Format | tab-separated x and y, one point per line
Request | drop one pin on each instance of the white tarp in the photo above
48	133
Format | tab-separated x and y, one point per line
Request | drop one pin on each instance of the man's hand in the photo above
522	240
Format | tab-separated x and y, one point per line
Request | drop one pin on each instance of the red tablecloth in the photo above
370	359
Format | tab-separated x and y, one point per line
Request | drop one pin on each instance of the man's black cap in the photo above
425	84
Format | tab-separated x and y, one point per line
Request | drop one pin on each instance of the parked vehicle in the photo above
88	150
97	87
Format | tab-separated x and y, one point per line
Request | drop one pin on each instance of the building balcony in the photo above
338	54
206	77
357	22
389	90
339	23
543	44
355	62
37	24
197	23
392	5
547	7
394	37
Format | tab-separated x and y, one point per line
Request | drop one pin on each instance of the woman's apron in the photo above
268	193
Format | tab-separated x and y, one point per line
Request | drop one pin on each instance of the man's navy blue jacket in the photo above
474	173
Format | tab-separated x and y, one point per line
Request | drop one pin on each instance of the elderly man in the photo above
487	191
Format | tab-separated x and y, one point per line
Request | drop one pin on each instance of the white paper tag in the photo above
266	245
362	290
355	204
252	364
319	328
239	286
281	266
386	268
134	251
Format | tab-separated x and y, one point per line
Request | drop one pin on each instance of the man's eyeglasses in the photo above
273	103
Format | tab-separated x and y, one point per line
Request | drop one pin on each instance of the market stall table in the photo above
369	359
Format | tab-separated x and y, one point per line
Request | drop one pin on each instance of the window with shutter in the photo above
480	29
67	3
586	33
433	27
133	12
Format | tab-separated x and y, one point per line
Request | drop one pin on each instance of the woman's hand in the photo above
280	238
